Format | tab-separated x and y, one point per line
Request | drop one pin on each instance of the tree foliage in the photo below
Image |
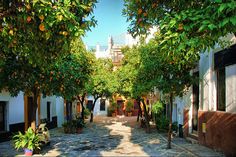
190	26
102	82
42	30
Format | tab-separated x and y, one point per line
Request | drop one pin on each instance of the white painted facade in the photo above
208	88
97	110
60	111
14	109
230	73
43	106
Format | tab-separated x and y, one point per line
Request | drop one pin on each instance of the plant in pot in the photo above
28	141
129	107
66	127
86	113
80	125
113	108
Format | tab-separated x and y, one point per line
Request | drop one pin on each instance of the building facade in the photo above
15	112
208	111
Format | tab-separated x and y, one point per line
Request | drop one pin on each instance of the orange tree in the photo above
66	77
36	36
41	29
131	83
102	81
193	26
171	74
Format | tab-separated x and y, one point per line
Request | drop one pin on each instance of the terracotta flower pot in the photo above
129	114
113	114
28	152
79	130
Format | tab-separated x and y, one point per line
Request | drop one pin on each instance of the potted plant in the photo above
113	108
80	125
28	141
86	113
66	127
129	107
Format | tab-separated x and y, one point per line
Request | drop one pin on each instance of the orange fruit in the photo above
41	17
154	5
28	7
180	26
42	27
65	33
145	14
83	25
11	32
140	11
28	19
59	17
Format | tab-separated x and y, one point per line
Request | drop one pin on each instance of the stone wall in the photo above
220	133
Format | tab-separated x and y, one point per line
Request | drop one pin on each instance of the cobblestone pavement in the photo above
120	136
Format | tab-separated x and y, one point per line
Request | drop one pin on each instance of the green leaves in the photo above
45	29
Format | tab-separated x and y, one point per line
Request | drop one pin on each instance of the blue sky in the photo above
110	21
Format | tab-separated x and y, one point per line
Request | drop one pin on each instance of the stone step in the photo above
192	141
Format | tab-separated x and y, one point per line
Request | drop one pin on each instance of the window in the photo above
48	111
90	104
102	104
221	89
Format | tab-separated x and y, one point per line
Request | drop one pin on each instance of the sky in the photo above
110	21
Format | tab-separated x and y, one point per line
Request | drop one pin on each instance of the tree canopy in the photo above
187	27
42	30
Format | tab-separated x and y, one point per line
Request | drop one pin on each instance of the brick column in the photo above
186	125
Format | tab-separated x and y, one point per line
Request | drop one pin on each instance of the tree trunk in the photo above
91	112
34	109
146	117
139	111
82	113
170	124
81	100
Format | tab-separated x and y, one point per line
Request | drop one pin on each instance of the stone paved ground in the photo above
120	136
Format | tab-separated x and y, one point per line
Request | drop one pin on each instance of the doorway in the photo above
48	111
195	104
68	110
2	116
120	104
29	110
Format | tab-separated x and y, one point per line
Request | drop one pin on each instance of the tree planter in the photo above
79	130
114	114
28	152
129	114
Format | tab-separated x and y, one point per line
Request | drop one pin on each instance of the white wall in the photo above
208	79
60	111
230	75
14	108
96	110
182	102
43	107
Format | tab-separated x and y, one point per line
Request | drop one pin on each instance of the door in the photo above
30	109
120	104
195	103
48	111
69	111
2	116
102	104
